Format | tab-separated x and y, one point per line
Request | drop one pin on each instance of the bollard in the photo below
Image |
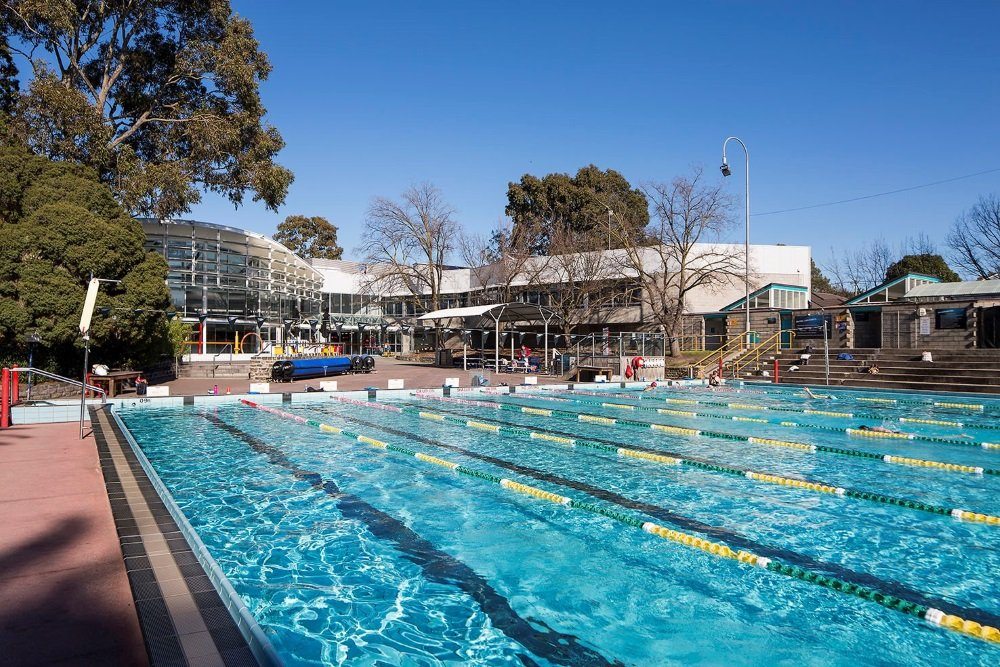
15	388
775	371
4	398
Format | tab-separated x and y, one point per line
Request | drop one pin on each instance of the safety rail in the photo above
753	354
60	378
737	345
227	346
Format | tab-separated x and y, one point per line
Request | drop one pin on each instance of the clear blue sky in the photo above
835	100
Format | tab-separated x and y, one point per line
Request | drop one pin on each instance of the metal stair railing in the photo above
60	378
737	345
753	354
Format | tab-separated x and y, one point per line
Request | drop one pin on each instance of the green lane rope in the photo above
828	413
673	458
933	616
856	453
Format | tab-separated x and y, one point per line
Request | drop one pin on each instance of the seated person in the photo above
873	370
806	354
141	384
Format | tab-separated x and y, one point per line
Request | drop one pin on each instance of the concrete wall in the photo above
901	325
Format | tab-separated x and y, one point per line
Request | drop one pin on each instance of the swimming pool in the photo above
598	526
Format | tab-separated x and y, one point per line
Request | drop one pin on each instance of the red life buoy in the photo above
628	372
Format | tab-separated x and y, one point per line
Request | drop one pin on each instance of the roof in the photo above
497	312
959	289
886	285
765	288
826	300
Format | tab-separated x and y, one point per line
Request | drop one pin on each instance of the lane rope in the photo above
809	485
931	615
739	418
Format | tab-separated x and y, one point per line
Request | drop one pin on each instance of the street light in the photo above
726	171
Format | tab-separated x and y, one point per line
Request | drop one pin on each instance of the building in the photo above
245	293
241	290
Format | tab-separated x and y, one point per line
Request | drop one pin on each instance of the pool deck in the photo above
414	376
65	594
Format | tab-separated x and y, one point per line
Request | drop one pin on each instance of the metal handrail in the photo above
228	346
739	344
60	378
753	355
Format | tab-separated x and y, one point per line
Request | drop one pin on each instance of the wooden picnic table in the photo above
111	382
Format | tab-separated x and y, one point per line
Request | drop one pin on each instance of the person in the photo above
878	429
141	384
806	354
811	394
873	370
651	386
714	380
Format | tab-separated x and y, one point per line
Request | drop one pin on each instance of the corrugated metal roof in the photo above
965	288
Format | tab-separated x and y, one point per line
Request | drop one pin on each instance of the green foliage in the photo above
309	237
178	334
161	97
578	204
927	264
820	283
59	225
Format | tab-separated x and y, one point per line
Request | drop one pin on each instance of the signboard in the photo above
925	326
950	318
811	326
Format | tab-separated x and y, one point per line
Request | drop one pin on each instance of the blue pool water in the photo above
345	553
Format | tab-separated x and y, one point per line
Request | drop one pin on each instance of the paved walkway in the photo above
64	595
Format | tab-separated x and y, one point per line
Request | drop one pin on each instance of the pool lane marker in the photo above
943	466
675	459
748	406
722	550
744	406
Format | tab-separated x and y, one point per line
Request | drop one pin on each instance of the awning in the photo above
497	312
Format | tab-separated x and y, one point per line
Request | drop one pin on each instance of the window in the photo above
950	318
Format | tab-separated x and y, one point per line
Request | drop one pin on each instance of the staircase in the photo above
951	370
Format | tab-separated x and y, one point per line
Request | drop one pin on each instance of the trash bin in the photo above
444	358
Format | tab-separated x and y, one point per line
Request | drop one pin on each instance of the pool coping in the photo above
187	609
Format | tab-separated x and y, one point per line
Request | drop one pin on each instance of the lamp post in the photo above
33	340
746	246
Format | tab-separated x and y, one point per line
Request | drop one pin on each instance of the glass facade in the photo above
225	279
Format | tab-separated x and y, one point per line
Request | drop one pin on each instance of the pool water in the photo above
348	553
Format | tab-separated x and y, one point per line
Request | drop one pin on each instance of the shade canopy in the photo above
497	312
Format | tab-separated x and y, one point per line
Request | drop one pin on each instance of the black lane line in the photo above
733	538
437	566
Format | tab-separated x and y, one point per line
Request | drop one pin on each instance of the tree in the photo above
178	334
863	269
309	237
8	78
820	283
578	278
161	97
580	203
58	226
498	263
407	244
928	264
975	239
684	250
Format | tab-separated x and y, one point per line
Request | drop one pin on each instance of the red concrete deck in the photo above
415	376
64	595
